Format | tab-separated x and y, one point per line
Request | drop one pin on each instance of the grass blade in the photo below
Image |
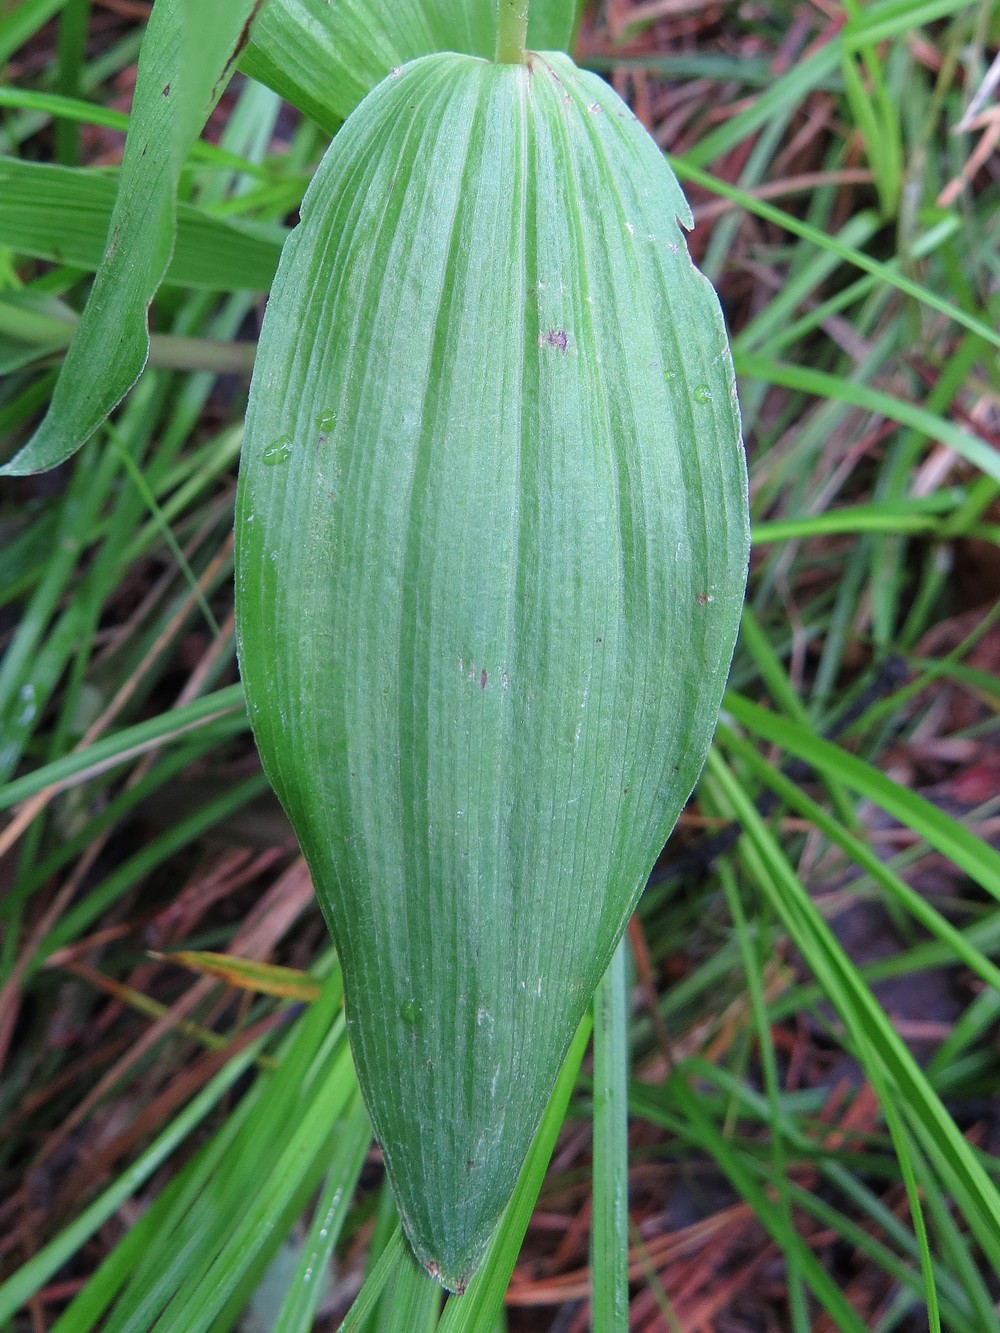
185	52
610	1229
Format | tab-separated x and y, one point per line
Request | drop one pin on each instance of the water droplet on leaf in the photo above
278	452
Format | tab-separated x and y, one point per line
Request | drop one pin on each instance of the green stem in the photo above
609	1230
167	350
512	32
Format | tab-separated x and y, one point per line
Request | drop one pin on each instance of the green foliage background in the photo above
869	384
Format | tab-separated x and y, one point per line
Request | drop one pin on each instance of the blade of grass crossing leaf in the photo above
299	1310
866	1020
609	1235
45	106
62	214
946	835
483	1300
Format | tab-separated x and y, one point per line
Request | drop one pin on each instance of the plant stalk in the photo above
512	32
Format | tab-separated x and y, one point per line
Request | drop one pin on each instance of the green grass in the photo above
179	1154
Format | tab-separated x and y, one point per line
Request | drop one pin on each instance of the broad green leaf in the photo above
62	214
492	542
325	57
186	52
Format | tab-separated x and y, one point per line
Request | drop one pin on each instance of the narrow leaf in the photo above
609	1245
185	54
947	835
245	974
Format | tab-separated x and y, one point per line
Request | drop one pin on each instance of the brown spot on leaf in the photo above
166	90
554	338
482	680
237	51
